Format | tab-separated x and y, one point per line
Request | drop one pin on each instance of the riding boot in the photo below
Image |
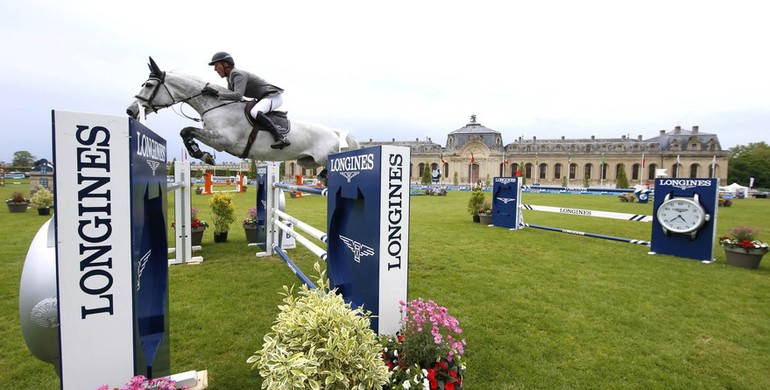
280	140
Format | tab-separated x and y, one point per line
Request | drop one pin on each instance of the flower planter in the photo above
44	211
17	207
220	237
485	219
196	235
476	218
739	257
251	232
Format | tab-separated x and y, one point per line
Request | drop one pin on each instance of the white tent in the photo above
738	190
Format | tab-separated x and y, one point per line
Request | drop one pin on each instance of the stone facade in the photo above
475	153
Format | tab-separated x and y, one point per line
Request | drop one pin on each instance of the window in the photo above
635	171
572	171
557	171
543	170
651	171
694	170
587	171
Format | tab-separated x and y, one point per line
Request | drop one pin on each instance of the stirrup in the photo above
281	143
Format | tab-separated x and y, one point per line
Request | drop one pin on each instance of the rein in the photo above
161	79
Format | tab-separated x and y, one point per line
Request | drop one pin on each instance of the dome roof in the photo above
474	127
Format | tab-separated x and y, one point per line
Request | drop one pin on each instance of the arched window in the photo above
572	171
528	170
636	171
651	171
694	168
557	171
587	171
543	168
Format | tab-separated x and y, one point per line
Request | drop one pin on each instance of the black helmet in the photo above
222	56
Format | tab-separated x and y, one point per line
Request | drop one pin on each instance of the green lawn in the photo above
540	310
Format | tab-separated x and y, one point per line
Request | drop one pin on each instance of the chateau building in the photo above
475	153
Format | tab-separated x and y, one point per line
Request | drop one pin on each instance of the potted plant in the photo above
42	200
742	249
485	214
319	342
250	226
221	204
476	202
428	351
17	203
197	227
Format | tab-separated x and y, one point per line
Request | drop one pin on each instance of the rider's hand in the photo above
209	91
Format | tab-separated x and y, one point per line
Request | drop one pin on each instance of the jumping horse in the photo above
226	127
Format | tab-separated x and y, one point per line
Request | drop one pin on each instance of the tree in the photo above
23	158
253	169
426	175
622	180
750	161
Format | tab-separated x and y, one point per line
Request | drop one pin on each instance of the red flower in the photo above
449	386
432	378
456	377
746	243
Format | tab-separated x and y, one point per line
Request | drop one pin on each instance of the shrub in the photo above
221	205
42	199
319	342
476	202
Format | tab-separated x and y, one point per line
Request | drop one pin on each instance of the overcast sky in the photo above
403	69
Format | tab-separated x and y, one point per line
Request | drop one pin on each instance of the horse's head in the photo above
154	94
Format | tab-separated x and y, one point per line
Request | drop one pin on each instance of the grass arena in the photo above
539	310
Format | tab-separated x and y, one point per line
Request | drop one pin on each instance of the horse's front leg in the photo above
188	136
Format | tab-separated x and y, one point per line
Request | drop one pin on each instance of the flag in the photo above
518	169
677	160
473	159
505	158
643	160
441	156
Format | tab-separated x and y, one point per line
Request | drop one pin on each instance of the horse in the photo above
226	127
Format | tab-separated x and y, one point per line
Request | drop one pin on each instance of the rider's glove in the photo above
209	91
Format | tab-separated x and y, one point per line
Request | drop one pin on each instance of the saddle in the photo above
279	119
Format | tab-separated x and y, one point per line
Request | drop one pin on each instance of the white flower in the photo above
406	385
395	352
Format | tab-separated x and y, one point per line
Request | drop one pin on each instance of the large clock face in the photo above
680	215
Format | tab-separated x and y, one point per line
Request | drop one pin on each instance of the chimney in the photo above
695	129
663	132
623	137
593	138
639	137
417	139
534	138
678	130
562	138
392	140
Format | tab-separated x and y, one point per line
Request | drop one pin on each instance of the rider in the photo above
245	84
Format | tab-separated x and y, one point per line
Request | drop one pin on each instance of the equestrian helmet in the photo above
222	56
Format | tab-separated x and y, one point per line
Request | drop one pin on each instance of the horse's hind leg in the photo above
193	148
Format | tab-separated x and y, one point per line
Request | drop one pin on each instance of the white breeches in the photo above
267	104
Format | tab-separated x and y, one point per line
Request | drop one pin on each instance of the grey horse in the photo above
226	127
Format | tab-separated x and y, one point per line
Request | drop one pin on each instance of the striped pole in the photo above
309	190
317	234
318	251
590	213
594	235
293	267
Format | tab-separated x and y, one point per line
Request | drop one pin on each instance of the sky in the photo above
403	70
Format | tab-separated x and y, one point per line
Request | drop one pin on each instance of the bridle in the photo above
160	79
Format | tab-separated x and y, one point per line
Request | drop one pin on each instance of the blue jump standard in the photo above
579	233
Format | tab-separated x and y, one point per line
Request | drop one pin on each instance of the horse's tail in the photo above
347	142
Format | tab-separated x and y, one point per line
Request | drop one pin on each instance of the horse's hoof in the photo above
208	159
